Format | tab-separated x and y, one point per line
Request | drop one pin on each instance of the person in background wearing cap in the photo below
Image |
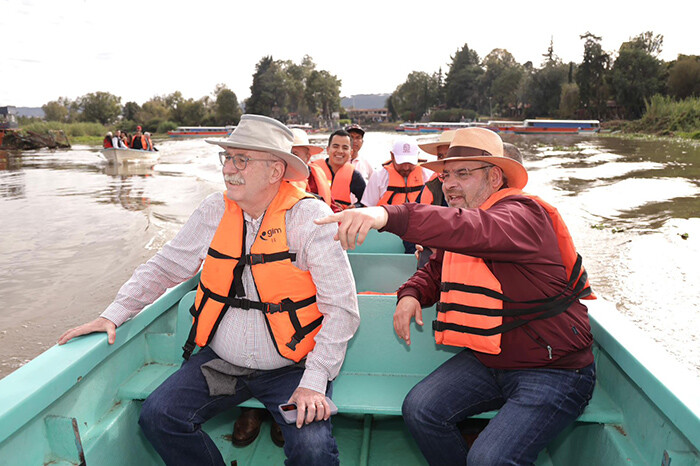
400	181
360	164
439	149
347	184
289	265
316	183
508	283
139	140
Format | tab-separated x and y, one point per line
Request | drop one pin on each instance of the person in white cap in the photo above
275	306
401	179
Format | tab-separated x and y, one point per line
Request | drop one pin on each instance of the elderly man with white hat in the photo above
274	311
508	284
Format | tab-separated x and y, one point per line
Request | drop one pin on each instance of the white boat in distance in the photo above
120	156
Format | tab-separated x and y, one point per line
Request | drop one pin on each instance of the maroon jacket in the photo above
516	240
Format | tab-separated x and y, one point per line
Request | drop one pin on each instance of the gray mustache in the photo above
234	179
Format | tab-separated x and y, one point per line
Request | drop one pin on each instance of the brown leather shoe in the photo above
276	434
247	426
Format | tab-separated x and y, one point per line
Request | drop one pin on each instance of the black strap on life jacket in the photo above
403	190
236	289
546	307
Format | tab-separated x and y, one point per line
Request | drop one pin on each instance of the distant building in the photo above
368	115
8	117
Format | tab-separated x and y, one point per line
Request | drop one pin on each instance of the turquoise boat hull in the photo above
79	403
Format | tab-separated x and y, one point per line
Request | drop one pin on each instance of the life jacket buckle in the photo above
255	259
272	308
292	345
244	304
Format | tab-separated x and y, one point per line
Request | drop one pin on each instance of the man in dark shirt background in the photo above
537	368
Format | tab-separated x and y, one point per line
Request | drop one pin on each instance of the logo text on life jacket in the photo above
269	233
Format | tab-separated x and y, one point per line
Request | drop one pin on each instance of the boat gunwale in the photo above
32	388
647	364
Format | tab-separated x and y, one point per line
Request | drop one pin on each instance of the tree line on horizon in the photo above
603	86
293	93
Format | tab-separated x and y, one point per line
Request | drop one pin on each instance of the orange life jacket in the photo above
410	189
340	184
470	311
322	183
287	294
143	142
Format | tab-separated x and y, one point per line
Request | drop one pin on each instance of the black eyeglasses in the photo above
461	174
240	161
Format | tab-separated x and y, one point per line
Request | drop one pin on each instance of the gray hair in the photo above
512	152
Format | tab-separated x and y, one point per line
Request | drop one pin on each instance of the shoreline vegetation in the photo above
663	118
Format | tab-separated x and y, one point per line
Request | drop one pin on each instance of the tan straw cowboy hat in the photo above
301	139
481	145
261	133
444	140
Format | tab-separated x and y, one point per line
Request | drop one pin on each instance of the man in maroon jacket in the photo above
508	291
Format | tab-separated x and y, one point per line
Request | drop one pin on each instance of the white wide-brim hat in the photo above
265	134
301	139
482	145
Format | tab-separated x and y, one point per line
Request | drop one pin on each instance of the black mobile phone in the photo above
289	411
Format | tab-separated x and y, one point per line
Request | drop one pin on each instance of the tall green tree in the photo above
102	107
542	92
637	74
154	109
684	77
500	82
131	111
569	100
226	108
412	99
591	76
462	81
323	94
190	112
267	93
55	111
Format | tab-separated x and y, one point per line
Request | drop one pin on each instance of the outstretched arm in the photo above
354	224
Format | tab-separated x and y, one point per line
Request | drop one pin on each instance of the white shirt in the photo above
242	337
363	166
378	184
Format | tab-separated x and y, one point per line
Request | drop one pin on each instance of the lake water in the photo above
73	228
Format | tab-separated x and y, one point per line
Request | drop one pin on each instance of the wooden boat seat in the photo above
378	372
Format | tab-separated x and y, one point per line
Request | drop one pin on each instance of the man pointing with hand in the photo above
507	282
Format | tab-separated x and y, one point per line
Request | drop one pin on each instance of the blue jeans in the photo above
535	405
172	416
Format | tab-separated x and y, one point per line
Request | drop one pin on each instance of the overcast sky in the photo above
136	49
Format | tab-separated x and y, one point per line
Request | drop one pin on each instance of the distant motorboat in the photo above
120	156
200	131
557	127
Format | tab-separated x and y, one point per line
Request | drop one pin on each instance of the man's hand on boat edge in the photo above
98	325
353	224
